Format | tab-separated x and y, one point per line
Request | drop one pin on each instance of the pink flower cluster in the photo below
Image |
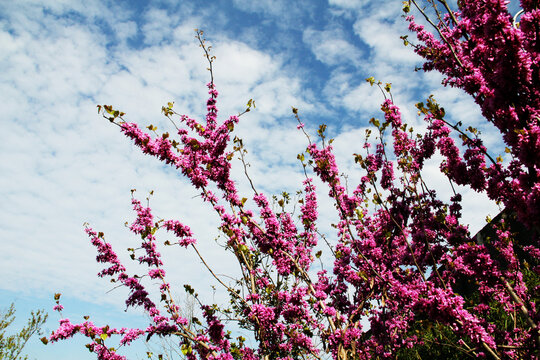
497	63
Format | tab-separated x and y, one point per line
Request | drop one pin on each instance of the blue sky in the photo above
63	165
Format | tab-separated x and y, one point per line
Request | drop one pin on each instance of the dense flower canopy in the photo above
408	279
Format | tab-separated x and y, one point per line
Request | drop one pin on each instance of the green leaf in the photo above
322	129
406	7
404	38
186	349
374	122
104	336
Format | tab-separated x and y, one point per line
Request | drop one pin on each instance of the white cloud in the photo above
125	30
157	25
364	98
238	63
330	48
383	38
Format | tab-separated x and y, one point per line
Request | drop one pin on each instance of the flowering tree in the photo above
396	289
